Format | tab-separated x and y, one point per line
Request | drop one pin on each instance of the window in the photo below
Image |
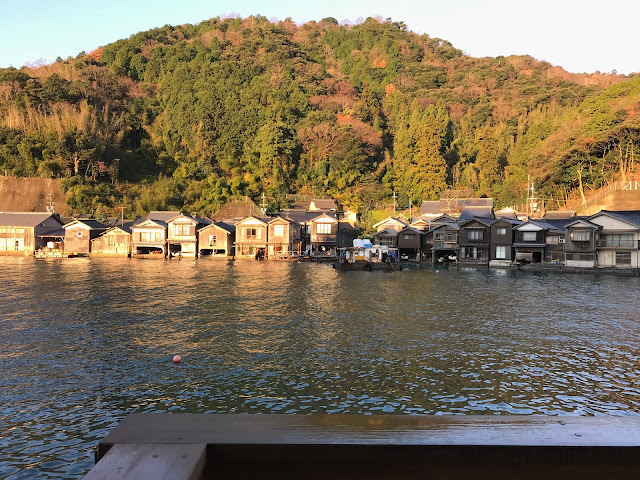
623	258
253	233
470	252
583	257
323	228
182	230
501	231
79	234
553	239
501	252
624	240
278	230
580	236
212	240
385	241
529	236
408	236
475	234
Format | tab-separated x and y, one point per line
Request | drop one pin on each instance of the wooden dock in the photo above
221	446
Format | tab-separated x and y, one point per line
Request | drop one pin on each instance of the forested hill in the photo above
189	116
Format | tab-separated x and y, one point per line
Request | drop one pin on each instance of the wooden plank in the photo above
391	438
151	461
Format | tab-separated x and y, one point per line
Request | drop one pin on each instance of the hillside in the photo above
190	116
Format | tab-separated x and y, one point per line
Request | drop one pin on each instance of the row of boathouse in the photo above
477	236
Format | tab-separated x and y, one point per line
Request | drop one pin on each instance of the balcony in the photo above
618	243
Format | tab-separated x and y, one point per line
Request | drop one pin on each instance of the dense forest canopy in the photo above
187	117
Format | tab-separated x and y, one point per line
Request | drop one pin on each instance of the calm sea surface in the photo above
85	342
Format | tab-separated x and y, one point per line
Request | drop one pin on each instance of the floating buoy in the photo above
177	359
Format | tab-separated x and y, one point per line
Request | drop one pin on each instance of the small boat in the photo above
365	256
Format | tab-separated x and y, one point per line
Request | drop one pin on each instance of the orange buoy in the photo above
177	359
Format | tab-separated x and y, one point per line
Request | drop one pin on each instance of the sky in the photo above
578	35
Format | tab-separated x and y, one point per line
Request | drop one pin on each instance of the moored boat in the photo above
365	256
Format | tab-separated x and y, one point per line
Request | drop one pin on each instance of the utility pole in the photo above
121	208
263	204
394	203
410	216
50	203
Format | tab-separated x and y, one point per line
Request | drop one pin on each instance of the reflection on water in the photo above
85	342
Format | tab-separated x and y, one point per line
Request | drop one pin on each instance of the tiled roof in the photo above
559	214
387	232
484	220
391	219
163	216
476	211
24	219
324	204
236	210
93	224
630	216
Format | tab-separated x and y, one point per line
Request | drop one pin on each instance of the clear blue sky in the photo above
579	35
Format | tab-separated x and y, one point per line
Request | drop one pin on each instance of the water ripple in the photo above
90	341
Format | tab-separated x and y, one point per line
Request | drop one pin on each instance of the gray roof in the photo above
324	204
411	229
430	206
56	233
559	214
561	223
163	216
476	211
546	225
629	216
91	223
389	232
512	221
484	220
228	227
25	219
142	220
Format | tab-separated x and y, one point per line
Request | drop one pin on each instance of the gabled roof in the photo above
412	230
144	221
631	217
162	215
324	215
125	227
388	232
92	224
391	220
482	220
561	223
476	211
512	221
345	225
453	225
540	224
25	219
227	227
584	222
264	220
282	219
